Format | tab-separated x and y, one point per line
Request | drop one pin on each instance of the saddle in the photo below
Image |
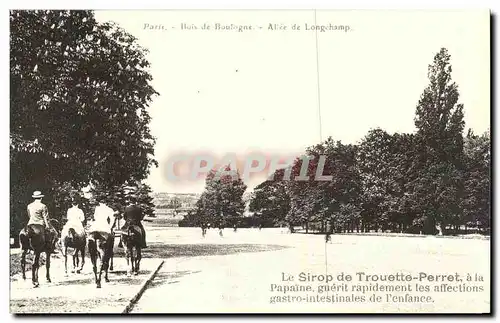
50	234
125	228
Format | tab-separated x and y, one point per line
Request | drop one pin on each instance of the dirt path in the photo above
77	293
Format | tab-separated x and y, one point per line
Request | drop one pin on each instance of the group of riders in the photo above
105	219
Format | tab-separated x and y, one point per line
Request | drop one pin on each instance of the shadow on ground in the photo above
194	250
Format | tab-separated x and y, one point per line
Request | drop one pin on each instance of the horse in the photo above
35	237
78	242
132	238
100	245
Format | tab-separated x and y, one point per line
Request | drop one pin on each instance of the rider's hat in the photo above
37	194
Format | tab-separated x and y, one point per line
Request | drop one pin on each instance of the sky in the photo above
280	91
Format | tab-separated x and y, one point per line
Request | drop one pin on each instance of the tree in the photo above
374	156
303	193
79	92
222	199
476	202
384	163
270	200
320	201
439	139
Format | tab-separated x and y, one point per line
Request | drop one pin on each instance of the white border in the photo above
493	5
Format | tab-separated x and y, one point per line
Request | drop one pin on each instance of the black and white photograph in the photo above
250	161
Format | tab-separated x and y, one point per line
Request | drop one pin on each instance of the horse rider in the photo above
75	219
102	218
133	215
39	215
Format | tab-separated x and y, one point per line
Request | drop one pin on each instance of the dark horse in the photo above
37	238
78	242
100	246
132	238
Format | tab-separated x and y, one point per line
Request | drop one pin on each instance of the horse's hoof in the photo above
111	268
49	281
78	271
98	286
36	285
106	280
72	271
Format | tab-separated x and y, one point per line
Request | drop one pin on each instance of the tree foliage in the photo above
222	200
79	92
271	201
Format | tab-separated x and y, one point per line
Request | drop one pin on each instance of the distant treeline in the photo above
434	180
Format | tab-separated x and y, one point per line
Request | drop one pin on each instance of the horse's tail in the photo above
72	233
134	235
24	240
131	232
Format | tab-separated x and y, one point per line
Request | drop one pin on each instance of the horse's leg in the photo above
47	265
93	258
138	261
111	259
82	251
128	256
73	256
105	265
34	269
99	275
132	259
65	248
23	263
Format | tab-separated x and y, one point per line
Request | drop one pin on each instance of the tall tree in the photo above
439	138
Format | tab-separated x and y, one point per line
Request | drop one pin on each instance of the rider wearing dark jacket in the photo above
133	215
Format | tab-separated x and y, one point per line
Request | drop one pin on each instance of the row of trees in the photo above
435	179
79	92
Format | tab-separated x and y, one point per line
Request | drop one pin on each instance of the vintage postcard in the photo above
250	161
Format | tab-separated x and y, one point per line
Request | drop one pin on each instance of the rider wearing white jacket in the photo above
75	219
